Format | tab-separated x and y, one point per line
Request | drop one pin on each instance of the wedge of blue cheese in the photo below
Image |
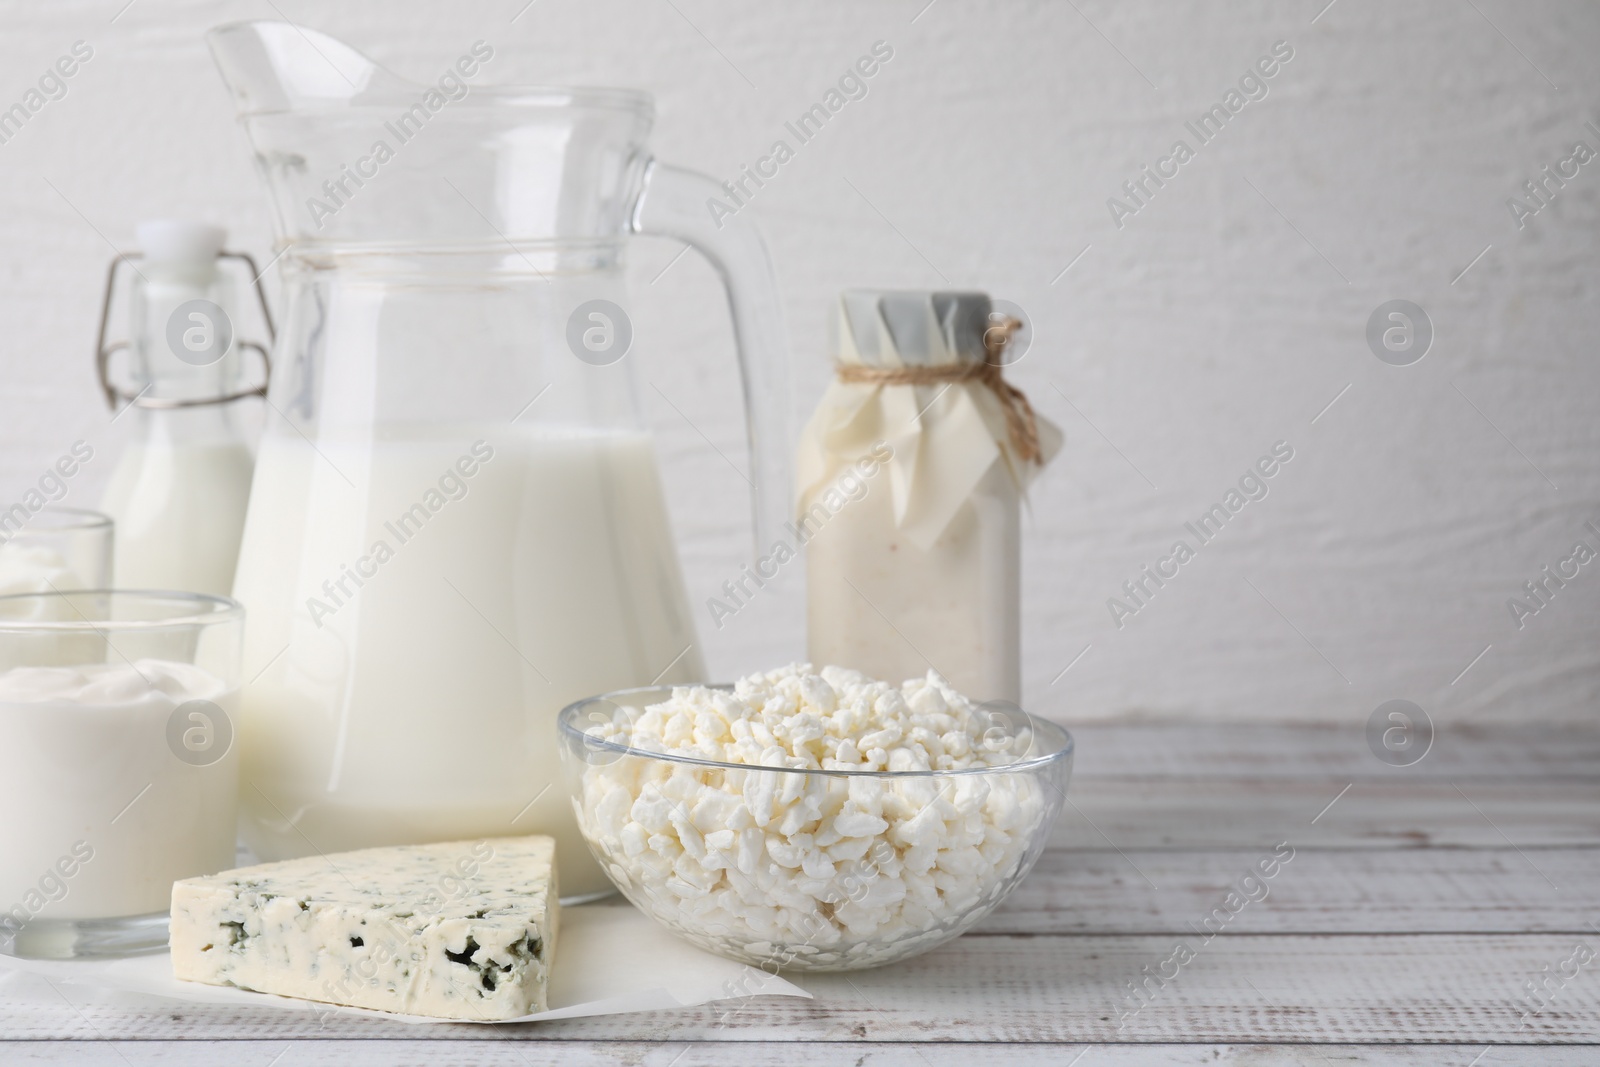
461	930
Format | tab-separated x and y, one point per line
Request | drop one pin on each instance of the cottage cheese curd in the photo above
828	870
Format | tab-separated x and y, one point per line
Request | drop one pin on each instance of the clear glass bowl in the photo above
710	850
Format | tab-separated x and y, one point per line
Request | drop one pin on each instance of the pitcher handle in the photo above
675	203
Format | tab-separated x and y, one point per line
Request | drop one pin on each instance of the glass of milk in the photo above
118	710
55	549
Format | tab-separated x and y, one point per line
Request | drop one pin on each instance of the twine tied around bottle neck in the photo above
1021	422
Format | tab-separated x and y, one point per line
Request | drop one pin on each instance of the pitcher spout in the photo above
356	156
278	66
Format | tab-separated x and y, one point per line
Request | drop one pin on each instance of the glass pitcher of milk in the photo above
457	524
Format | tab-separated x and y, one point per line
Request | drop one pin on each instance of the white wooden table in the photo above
1417	903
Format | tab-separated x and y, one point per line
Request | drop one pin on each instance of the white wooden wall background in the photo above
1224	316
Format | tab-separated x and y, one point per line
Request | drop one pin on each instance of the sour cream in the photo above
107	796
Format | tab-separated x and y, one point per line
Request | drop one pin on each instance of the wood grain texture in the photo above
1413	911
505	1053
1318	892
1014	988
1168	749
1206	812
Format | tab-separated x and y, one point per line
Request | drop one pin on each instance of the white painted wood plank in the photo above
1199	813
1289	750
762	1054
1472	855
1349	989
1319	891
1315	989
1389	890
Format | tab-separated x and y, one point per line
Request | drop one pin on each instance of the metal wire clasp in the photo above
103	351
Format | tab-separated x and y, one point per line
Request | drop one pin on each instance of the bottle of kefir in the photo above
179	490
911	475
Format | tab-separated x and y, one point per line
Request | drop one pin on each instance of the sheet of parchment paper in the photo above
610	959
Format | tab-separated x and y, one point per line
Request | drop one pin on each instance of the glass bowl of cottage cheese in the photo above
813	819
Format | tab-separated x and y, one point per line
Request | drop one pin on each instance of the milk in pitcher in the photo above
453	588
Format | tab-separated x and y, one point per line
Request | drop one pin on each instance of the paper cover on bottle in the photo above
945	435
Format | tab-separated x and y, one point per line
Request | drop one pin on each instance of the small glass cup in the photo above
118	712
59	549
